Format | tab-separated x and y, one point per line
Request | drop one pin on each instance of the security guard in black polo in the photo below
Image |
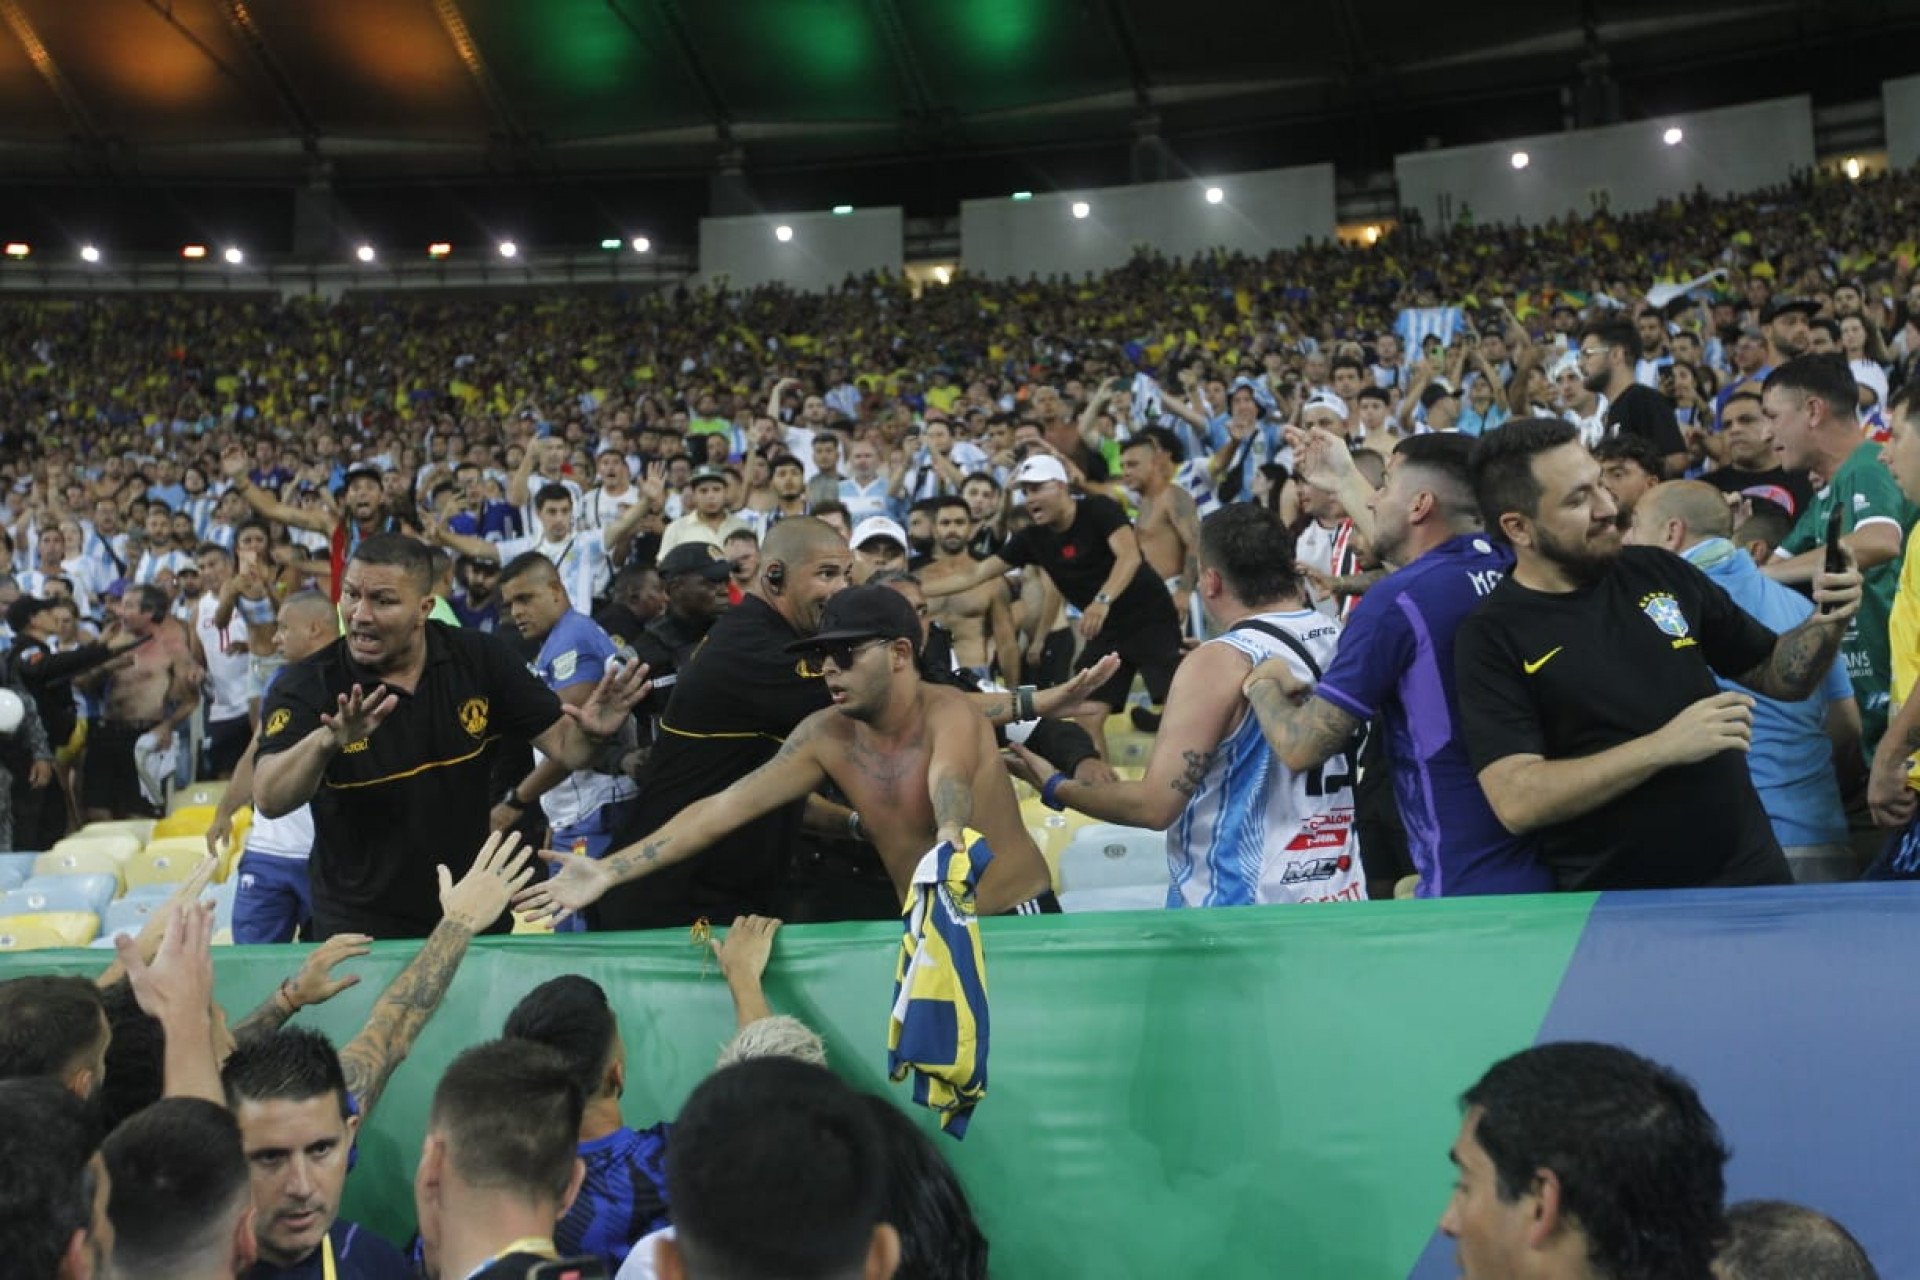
734	704
695	576
389	733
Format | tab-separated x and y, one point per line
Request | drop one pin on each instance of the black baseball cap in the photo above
1780	306
863	613
702	558
22	612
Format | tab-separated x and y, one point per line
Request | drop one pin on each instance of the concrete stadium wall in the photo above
825	249
1902	105
1270	209
1627	166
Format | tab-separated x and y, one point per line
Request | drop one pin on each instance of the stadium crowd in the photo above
1494	561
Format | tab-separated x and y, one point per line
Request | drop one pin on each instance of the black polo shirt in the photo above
1079	558
733	704
1566	676
414	795
1642	411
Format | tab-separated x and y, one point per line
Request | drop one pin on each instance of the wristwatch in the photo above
1103	598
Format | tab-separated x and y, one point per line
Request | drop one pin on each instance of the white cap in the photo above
1041	468
877	527
1326	400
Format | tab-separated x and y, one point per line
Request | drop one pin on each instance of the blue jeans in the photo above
594	835
272	899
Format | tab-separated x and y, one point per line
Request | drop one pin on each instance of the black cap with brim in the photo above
701	558
22	612
863	613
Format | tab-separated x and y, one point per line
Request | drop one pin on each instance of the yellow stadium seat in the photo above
201	795
78	860
140	829
191	821
48	929
120	847
523	924
1129	748
158	864
1130	772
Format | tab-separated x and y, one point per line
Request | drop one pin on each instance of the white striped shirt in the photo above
584	565
151	564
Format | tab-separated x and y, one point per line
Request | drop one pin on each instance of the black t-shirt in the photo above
1565	676
1789	490
358	1254
415	794
1079	560
736	700
1642	411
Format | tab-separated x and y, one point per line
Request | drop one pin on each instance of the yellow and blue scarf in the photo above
938	1030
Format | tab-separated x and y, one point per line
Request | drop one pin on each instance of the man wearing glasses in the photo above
1609	354
916	761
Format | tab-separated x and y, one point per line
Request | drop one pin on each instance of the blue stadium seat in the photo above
129	915
90	893
1137	897
15	868
1102	855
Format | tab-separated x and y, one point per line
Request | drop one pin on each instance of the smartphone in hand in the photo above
1836	554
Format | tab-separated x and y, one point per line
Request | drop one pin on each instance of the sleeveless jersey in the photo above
1254	831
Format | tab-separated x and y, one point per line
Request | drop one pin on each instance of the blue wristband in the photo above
1050	792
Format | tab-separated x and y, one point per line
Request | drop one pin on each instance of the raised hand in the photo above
578	882
359	714
612	700
1074	691
499	871
1025	765
315	983
1320	458
744	951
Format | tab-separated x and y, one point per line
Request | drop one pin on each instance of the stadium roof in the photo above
444	87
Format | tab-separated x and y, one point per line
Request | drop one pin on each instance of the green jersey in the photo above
1864	492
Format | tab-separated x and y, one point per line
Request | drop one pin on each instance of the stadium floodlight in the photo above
1672	137
1215	195
1373	234
89	254
783	233
610	243
509	249
1521	159
233	256
1853	168
1023	195
193	251
364	253
943	274
641	244
843	209
439	249
1081	208
18	248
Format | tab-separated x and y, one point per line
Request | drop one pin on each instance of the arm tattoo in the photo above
370	1058
952	803
1799	661
635	859
262	1022
1306	735
1189	779
994	710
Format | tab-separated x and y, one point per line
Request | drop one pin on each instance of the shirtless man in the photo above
151	687
976	615
1168	523
916	761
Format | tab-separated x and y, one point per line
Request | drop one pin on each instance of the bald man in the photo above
272	898
736	700
1804	753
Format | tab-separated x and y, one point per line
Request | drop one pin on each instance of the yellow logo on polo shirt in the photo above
278	722
473	716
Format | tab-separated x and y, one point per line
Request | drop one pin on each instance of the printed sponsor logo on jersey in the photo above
473	716
1304	870
277	722
1321	831
1666	615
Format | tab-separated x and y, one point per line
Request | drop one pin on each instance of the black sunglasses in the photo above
842	653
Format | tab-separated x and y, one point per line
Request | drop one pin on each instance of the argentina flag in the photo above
1416	323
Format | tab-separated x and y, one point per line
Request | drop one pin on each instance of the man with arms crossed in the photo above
976	615
916	761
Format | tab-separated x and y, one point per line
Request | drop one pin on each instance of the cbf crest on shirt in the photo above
1666	614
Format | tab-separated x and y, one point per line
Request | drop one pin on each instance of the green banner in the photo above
1252	1092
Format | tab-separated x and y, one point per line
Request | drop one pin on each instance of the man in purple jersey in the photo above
1396	661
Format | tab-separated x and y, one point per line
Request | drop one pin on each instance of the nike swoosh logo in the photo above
1542	660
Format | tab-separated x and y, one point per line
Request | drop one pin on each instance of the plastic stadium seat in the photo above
1104	856
40	930
140	829
221	895
129	915
158	865
80	860
192	848
191	821
120	845
1129	748
15	868
199	795
89	893
1134	897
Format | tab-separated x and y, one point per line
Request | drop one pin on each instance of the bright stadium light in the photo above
1853	167
783	233
843	209
1672	137
1521	159
641	244
193	251
1023	195
18	248
439	249
233	256
610	243
943	274
89	254
1215	195
1081	208
364	253
508	249
1373	235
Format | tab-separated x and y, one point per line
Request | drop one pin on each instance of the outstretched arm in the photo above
371	1057
985	571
